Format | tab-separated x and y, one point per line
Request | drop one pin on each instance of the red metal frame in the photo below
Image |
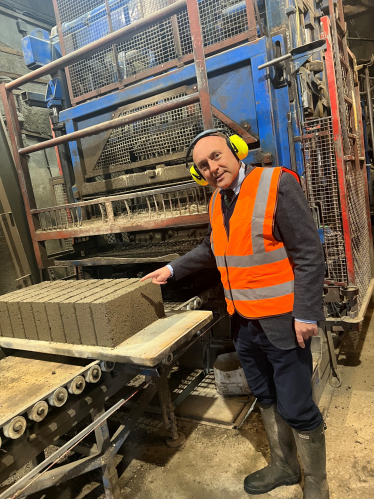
22	169
339	147
201	73
20	152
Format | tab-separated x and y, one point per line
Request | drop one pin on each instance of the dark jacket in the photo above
295	227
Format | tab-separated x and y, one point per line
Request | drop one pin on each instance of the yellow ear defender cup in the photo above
239	146
196	175
236	144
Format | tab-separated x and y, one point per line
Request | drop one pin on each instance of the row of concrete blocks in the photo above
89	312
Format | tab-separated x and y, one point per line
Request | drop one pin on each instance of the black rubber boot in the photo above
312	451
284	468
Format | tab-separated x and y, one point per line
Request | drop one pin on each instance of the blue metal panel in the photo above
233	94
263	105
37	52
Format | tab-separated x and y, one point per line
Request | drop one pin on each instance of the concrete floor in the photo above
213	461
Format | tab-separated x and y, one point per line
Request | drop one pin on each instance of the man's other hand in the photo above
304	331
159	276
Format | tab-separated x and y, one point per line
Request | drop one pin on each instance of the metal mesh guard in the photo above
155	137
87	20
323	193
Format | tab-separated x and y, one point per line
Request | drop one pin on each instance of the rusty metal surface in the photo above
109	125
21	168
102	43
115	228
200	66
251	16
181	205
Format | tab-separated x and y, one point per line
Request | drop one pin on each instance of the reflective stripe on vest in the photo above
256	273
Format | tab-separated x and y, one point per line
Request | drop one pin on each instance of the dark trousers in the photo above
276	376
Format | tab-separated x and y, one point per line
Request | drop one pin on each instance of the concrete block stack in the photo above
89	312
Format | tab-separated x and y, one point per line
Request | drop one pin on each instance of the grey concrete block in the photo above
26	307
67	310
88	333
121	315
38	306
10	314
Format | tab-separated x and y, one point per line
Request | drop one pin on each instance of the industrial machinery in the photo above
134	81
143	78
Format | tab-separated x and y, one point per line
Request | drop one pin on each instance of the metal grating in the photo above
72	9
323	192
128	209
87	21
359	230
159	136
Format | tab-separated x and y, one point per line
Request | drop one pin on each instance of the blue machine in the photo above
267	81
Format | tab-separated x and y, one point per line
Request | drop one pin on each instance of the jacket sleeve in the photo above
196	259
295	227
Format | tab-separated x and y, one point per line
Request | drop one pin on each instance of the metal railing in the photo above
126	211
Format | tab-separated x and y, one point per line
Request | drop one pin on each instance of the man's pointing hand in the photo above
159	276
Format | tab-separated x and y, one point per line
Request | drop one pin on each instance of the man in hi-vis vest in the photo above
264	241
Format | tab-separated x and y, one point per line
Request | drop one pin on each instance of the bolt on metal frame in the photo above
20	152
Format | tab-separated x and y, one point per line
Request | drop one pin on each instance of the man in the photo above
264	241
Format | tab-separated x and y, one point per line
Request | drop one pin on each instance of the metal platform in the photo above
149	347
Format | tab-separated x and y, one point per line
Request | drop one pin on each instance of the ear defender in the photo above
237	145
196	175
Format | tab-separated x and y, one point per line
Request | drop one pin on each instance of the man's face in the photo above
216	162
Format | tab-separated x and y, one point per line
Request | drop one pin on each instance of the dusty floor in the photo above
214	461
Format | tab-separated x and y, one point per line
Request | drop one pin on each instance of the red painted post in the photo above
201	73
338	141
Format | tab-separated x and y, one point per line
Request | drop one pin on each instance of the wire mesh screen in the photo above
323	192
69	10
156	137
359	230
87	21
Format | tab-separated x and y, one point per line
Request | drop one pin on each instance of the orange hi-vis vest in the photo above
256	273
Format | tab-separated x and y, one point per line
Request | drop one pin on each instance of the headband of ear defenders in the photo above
236	144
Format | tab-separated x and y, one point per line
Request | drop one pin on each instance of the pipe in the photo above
104	42
274	61
65	160
109	125
370	103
